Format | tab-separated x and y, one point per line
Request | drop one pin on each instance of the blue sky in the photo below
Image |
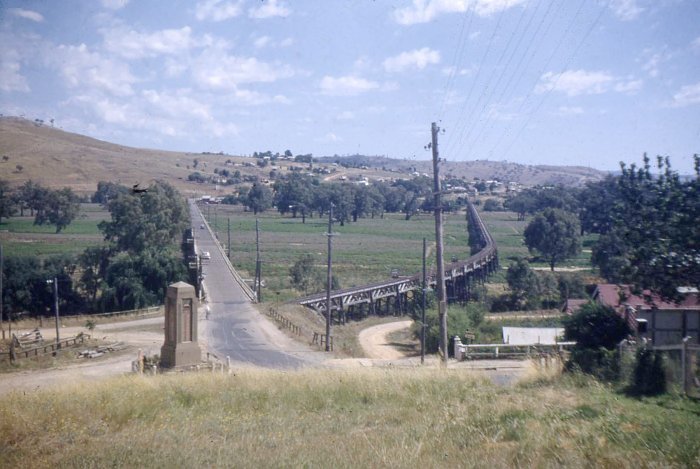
575	82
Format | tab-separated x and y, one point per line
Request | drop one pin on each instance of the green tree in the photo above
594	326
93	262
654	240
492	205
553	235
7	204
293	195
597	330
304	274
523	283
60	209
139	280
597	204
341	196
107	191
153	220
259	198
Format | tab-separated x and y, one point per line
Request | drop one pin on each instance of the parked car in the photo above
205	255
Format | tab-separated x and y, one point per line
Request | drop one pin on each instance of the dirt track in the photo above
375	344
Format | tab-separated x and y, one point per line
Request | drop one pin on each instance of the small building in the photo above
661	321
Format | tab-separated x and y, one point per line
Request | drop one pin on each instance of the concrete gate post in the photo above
181	347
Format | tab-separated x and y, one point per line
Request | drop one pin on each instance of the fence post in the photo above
684	365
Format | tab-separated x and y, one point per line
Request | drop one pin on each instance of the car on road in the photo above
205	255
201	227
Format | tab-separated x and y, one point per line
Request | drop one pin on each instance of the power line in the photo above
489	89
549	91
517	68
459	52
478	73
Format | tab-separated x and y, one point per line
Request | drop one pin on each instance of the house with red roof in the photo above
661	321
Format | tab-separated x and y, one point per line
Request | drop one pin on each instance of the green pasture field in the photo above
507	231
364	251
21	237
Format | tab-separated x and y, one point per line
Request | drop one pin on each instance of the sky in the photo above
576	82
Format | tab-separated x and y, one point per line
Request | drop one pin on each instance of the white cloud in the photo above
687	95
135	45
26	14
217	10
219	129
569	111
262	41
654	61
424	11
267	41
216	70
330	137
419	58
578	82
269	9
345	116
10	77
455	71
346	86
178	104
630	86
626	10
82	68
114	4
695	45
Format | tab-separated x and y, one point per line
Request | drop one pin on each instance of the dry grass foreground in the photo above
358	418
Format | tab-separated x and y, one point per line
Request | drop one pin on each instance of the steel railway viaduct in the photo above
402	295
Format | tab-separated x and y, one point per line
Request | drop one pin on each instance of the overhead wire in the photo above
551	88
489	90
456	59
458	124
516	71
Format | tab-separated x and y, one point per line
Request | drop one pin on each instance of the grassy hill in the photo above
55	158
344	418
482	169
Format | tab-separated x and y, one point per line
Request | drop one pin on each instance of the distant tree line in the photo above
304	196
48	207
132	269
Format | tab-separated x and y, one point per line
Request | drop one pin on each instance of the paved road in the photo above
235	328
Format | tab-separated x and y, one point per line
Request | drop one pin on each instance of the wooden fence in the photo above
16	352
283	321
320	340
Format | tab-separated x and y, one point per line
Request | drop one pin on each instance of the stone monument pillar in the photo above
180	347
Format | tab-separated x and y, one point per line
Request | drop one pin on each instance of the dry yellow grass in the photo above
358	418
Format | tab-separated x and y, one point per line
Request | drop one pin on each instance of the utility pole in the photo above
258	273
2	324
422	320
228	220
329	279
442	304
55	308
